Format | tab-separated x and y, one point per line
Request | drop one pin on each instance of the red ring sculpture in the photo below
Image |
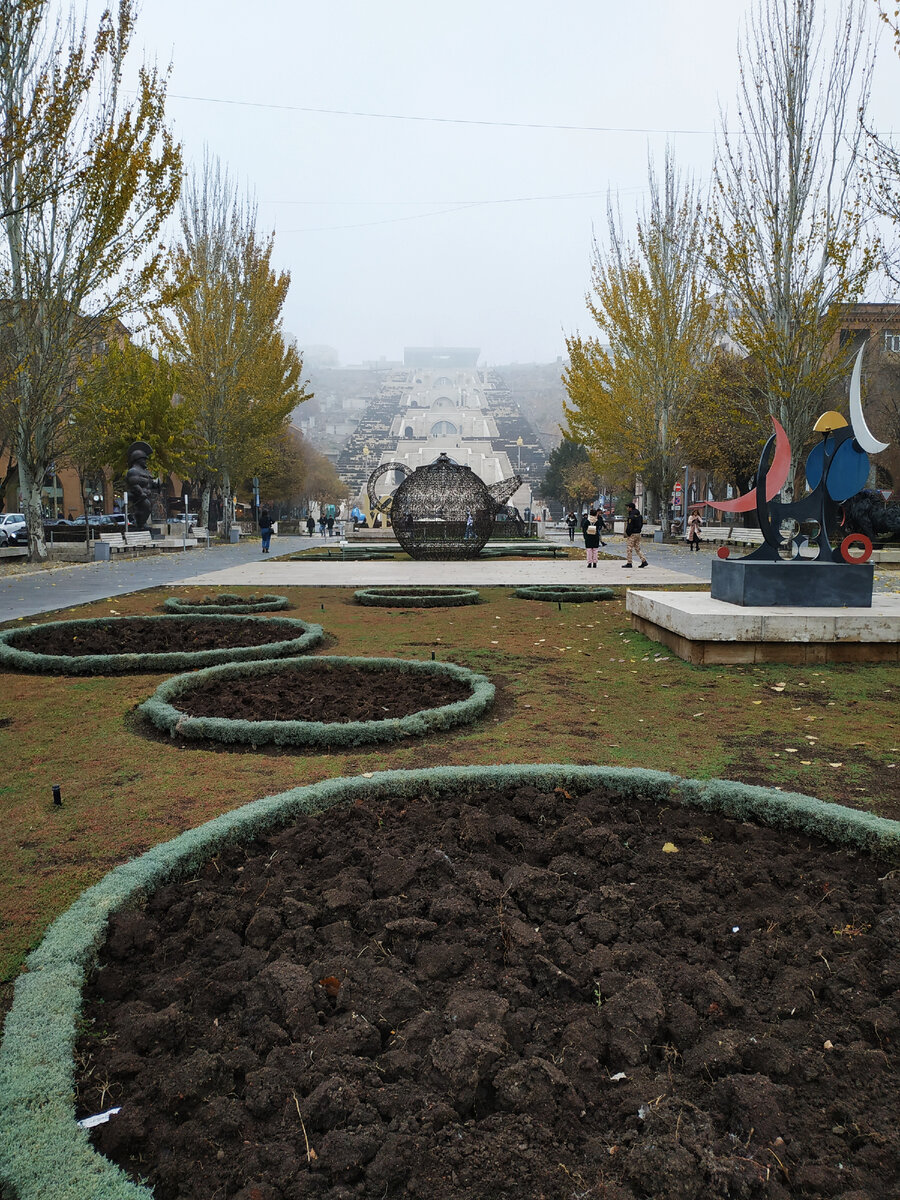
849	540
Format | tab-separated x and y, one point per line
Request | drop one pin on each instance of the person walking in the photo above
591	530
694	525
571	521
310	524
265	530
323	528
634	523
330	523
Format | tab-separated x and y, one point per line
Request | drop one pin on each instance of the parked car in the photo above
10	524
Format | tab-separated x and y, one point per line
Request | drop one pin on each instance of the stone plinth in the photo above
702	630
755	583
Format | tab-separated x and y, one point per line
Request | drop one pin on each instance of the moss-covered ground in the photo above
574	684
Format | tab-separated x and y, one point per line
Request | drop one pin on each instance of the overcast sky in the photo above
416	232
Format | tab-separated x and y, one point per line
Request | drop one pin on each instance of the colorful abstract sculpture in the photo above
805	570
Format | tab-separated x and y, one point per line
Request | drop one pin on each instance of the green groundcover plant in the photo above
289	637
569	593
403	597
228	602
43	1151
163	706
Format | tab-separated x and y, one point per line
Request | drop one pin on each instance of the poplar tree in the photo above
87	180
223	330
650	300
789	241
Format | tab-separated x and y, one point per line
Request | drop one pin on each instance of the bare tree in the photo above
650	299
883	170
81	208
789	240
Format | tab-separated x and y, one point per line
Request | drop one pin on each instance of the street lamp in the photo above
519	445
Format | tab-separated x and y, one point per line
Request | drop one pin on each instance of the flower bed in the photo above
301	685
94	646
570	594
478	1036
406	597
228	602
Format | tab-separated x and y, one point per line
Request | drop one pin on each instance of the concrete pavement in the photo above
28	594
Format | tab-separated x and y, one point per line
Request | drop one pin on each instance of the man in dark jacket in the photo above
634	522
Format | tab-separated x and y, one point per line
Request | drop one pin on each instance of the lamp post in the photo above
519	444
187	497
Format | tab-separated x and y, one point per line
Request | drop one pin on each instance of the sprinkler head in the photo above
57	795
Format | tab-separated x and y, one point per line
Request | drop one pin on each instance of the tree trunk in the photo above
227	510
204	508
31	506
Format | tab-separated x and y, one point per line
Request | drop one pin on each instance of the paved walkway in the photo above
35	592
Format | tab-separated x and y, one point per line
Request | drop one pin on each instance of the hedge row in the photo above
399	597
229	602
162	707
297	637
571	594
43	1152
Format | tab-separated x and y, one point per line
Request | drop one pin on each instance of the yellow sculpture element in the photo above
829	421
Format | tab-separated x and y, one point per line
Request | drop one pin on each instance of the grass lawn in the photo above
574	684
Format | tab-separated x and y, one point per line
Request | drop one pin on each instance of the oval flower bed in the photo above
228	602
482	981
169	643
355	700
407	597
568	593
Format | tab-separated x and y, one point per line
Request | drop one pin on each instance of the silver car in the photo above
10	524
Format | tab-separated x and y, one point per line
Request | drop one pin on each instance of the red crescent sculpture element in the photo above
723	552
777	474
863	541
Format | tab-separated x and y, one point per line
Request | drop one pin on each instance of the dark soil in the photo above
224	601
517	995
324	693
159	635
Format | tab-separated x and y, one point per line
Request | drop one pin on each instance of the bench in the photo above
134	539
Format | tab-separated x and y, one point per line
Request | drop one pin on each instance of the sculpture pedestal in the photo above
702	630
791	583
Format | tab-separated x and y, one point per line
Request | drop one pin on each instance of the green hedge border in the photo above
265	603
318	735
43	1153
181	660
396	597
570	594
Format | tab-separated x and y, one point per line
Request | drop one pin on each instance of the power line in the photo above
380	116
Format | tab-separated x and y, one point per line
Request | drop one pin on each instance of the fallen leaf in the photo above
331	984
670	848
789	750
836	764
778	687
756	701
807	762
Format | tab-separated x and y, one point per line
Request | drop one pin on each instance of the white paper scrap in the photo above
99	1118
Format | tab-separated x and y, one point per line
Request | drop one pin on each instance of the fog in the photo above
471	227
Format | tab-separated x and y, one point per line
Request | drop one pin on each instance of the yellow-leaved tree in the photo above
239	377
87	179
652	305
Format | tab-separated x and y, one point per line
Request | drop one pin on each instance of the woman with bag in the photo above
694	525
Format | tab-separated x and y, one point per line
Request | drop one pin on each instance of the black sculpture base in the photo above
792	584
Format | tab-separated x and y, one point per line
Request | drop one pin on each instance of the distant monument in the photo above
139	483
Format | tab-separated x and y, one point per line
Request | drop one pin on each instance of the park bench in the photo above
135	539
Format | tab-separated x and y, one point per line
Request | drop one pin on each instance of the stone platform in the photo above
704	631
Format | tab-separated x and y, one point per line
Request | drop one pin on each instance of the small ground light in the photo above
432	656
57	795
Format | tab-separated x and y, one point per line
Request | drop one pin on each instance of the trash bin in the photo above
657	535
234	535
101	551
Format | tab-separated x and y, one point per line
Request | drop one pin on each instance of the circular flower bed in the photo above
228	602
170	643
406	597
571	594
397	690
484	981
